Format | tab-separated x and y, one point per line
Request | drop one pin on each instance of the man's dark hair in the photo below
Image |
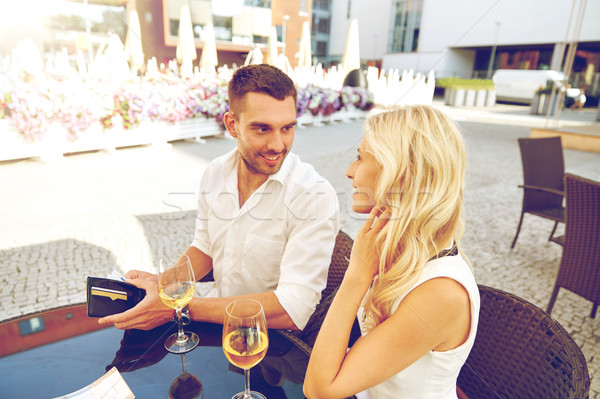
262	78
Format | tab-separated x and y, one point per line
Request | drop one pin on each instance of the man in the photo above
580	99
266	221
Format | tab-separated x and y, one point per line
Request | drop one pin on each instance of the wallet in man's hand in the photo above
106	296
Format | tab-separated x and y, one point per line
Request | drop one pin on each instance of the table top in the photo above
62	367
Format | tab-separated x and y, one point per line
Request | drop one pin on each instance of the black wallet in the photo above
106	296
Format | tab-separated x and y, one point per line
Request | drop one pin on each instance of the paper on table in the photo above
110	386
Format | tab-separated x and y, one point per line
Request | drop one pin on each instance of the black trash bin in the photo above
355	78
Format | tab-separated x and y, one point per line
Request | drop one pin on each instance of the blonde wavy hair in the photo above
423	159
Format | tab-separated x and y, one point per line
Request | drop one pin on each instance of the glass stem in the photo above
180	335
183	369
247	394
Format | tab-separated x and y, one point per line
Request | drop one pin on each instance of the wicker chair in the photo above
305	339
521	352
339	263
543	171
579	270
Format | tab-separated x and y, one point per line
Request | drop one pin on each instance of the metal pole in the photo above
493	55
284	32
88	34
570	56
552	98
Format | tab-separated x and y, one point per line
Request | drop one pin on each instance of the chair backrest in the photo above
521	352
339	263
580	265
337	270
543	166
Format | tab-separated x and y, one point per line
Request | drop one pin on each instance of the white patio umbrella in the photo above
351	57
304	53
27	58
119	70
81	65
272	47
208	58
255	56
283	63
186	46
133	43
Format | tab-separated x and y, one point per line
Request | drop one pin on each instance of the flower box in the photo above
48	118
56	141
468	92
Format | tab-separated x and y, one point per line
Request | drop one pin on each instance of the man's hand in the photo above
147	314
138	274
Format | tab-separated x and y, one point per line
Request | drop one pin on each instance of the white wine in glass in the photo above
245	339
176	288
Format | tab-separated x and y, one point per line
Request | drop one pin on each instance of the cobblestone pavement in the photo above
94	212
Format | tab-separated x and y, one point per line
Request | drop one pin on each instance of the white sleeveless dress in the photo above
434	375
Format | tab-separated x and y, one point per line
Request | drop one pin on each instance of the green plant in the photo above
545	89
465	84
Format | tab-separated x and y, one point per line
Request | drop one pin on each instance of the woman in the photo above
414	293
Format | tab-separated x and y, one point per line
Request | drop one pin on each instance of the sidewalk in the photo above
97	211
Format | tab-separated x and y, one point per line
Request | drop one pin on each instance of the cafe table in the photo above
58	368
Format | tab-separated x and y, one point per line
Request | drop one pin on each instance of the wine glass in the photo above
176	288
245	339
186	385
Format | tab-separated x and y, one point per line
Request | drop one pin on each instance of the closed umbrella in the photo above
255	56
186	46
272	48
133	43
27	58
305	54
119	70
208	58
351	57
283	63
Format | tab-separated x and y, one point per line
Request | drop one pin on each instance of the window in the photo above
321	5
405	26
258	3
320	25
303	6
222	27
321	49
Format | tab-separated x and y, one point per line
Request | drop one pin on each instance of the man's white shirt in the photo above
280	240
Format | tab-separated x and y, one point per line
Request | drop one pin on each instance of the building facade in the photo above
473	39
238	24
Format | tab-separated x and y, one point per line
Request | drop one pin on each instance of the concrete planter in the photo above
447	95
480	97
56	141
540	104
470	98
457	98
490	98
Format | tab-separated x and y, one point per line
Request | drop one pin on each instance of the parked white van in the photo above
520	85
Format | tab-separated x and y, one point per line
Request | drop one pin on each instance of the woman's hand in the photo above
326	375
364	259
